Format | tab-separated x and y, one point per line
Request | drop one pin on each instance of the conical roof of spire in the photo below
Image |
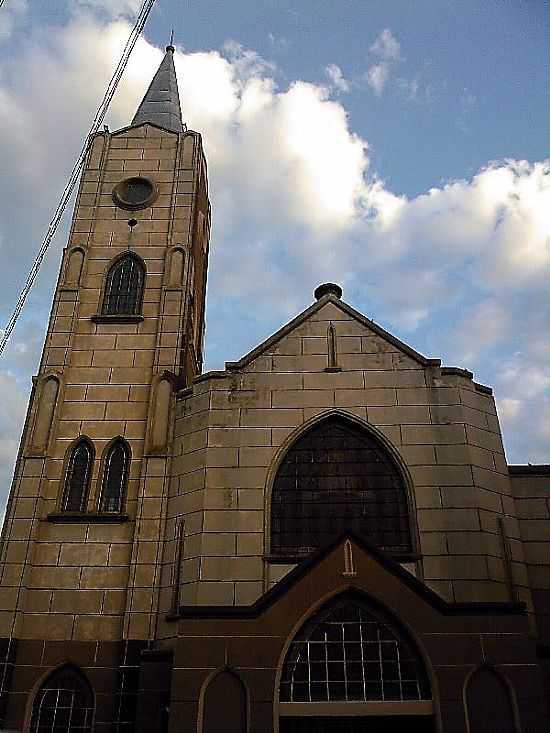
161	103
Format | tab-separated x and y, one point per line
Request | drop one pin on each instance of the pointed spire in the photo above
161	103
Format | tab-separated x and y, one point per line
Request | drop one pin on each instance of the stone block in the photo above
77	601
442	475
484	439
213	594
532	508
233	521
256	456
456	567
418	455
395	378
232	568
491	480
245	477
50	577
467	591
246	593
222	543
249	543
54	626
333	380
433	434
405	415
427	497
445	520
78	554
276	417
103	578
478	401
365	397
304	398
98	628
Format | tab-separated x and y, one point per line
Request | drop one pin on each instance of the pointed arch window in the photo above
349	652
65	703
124	287
77	477
338	477
115	477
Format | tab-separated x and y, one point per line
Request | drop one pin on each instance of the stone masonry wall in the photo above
232	426
95	580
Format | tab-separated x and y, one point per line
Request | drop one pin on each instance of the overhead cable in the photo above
141	19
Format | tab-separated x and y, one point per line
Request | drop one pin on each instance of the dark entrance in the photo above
367	724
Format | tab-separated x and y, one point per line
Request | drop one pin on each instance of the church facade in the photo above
325	537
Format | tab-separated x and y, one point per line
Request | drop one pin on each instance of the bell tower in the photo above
85	521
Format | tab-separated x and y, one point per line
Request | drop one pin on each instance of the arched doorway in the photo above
351	669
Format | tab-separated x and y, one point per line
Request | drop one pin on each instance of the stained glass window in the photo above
115	476
77	478
338	477
124	287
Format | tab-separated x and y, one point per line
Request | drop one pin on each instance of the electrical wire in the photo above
141	19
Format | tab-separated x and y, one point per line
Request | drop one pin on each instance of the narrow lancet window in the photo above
124	287
115	476
77	478
332	363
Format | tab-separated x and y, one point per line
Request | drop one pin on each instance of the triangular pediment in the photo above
370	571
331	309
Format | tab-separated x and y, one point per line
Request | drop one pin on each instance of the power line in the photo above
141	19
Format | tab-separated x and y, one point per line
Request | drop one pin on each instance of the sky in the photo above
398	148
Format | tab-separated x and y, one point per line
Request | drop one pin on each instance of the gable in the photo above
360	343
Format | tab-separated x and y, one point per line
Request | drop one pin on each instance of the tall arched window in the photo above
489	703
124	287
65	703
349	652
77	477
115	476
337	477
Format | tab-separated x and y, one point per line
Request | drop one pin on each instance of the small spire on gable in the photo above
161	103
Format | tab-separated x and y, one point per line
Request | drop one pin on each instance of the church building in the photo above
325	537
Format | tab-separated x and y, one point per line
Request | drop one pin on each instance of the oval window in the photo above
135	193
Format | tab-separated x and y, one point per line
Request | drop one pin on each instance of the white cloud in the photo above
386	46
337	79
377	77
112	8
388	50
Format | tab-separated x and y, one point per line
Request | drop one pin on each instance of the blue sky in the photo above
399	148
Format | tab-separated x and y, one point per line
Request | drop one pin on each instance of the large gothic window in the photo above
124	287
64	704
334	478
115	476
77	477
349	653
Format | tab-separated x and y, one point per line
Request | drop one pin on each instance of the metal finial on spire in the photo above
170	46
